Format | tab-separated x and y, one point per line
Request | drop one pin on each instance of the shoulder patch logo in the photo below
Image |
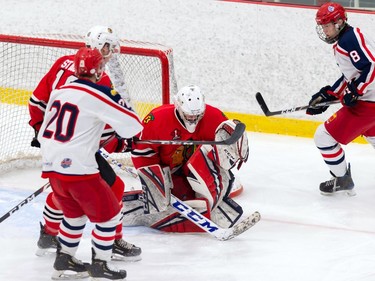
148	118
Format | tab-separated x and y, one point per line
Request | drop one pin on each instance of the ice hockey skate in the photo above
47	243
339	185
125	251
68	268
101	270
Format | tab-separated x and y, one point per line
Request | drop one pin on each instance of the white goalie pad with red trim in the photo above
206	178
156	185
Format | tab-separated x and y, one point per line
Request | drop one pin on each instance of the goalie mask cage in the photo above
147	67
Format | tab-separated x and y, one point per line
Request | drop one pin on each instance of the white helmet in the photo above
98	36
190	105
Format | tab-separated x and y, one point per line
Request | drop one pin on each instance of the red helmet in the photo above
88	62
330	12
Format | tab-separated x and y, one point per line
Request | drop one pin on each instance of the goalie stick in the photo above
236	135
223	234
267	112
24	202
195	217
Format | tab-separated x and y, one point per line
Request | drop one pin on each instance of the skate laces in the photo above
111	267
124	244
331	182
76	261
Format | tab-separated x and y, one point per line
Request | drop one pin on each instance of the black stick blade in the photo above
262	104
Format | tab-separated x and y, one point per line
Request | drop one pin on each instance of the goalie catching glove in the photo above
230	155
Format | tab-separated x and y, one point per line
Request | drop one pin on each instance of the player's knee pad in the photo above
322	138
156	185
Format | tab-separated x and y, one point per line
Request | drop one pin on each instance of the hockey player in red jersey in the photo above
355	57
61	73
75	117
201	174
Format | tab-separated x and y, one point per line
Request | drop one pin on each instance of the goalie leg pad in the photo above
156	185
227	213
133	209
172	221
206	178
168	220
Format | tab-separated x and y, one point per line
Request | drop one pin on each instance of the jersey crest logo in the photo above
114	92
176	134
148	118
66	163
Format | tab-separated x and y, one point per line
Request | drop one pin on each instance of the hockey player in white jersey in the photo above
355	56
75	117
62	72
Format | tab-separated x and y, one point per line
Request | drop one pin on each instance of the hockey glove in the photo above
351	95
118	144
324	95
35	142
123	145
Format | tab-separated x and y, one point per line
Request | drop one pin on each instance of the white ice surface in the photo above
303	236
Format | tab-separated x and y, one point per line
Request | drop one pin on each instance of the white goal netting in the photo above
147	67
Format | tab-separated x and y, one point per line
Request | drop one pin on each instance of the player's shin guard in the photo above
103	236
71	230
52	215
332	152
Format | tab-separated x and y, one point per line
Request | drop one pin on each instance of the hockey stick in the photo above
195	217
237	133
24	202
209	226
110	160
267	112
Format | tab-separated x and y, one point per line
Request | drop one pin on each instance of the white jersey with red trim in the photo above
75	117
355	56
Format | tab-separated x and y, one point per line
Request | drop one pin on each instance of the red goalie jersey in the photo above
170	127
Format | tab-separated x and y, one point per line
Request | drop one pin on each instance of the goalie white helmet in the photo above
99	36
230	155
190	105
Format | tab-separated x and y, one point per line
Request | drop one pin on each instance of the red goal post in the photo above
147	67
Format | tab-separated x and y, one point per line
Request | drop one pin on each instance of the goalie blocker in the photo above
206	188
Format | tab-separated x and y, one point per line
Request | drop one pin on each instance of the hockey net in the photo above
147	67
